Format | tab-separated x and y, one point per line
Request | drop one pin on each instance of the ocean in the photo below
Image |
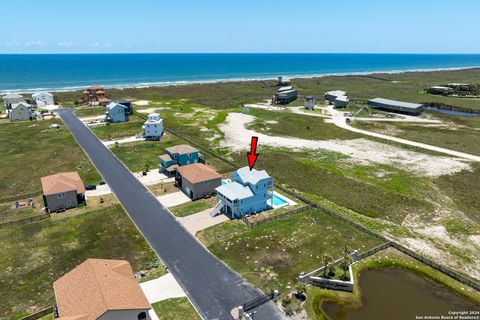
57	72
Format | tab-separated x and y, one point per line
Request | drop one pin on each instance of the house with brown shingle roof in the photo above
62	191
198	180
100	289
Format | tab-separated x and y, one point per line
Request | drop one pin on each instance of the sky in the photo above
225	26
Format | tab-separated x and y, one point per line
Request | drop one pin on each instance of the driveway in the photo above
201	220
163	288
212	287
173	199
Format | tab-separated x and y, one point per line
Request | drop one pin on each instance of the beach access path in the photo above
212	287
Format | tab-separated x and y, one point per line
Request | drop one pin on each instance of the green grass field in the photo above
192	207
119	130
90	112
34	255
271	256
175	308
31	150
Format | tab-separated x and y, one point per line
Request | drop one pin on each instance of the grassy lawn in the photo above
136	155
389	258
31	150
90	112
271	256
175	308
192	207
111	131
34	255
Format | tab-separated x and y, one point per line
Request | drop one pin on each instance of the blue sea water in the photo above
73	71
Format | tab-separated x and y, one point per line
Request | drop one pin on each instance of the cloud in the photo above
35	44
12	43
65	44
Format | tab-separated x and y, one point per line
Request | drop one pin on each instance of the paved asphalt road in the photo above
212	287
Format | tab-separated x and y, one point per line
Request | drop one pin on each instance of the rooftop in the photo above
12	96
97	286
395	103
112	105
62	182
21	104
253	176
181	149
198	172
165	157
234	191
342	98
337	93
41	93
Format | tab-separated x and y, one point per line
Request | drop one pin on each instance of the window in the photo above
207	182
189	155
142	316
61	195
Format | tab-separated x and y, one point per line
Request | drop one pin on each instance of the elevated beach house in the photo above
198	180
43	99
12	98
21	111
414	109
116	113
331	96
153	127
247	193
178	156
100	289
62	191
96	95
126	103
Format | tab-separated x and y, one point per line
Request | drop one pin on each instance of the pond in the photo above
454	112
396	294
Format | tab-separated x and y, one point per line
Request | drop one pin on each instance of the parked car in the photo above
90	187
102	182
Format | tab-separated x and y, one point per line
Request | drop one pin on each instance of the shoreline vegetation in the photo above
296	76
385	259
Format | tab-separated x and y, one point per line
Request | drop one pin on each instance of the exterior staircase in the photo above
217	209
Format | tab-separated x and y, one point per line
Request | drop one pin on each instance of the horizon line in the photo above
279	53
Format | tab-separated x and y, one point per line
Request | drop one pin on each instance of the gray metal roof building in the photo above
396	106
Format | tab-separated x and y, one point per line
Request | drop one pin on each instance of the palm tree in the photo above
346	261
326	260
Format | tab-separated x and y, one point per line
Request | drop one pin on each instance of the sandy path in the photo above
237	137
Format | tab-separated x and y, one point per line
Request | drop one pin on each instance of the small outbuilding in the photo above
21	111
116	113
330	96
198	180
62	191
43	99
396	106
309	103
153	127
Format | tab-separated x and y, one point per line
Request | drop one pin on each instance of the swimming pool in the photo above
277	201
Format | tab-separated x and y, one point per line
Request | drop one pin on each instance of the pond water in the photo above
454	112
396	294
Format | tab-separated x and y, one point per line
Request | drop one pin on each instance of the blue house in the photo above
178	156
116	112
248	193
126	103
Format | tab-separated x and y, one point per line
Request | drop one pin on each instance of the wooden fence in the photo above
21	196
39	314
24	220
253	224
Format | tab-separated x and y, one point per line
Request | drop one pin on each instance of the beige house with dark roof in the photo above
100	289
198	180
62	191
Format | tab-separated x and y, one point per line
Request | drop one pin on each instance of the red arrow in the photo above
252	155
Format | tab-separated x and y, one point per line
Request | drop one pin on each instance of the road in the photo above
211	286
340	121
